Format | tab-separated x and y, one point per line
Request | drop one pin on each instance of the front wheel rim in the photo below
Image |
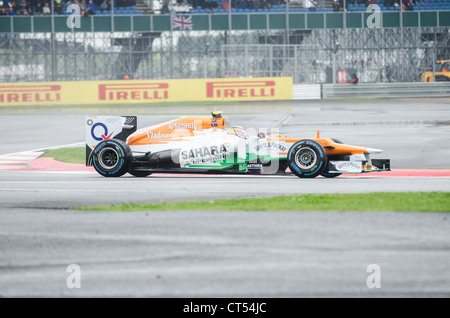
305	158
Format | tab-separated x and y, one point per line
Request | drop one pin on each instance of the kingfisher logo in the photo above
99	132
173	126
133	91
30	93
239	89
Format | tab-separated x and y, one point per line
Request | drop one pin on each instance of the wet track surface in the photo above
222	253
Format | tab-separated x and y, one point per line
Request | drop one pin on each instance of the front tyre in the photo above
112	158
325	173
306	158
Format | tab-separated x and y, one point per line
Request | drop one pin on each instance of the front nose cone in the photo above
373	150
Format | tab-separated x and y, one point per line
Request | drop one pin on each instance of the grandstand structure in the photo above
307	40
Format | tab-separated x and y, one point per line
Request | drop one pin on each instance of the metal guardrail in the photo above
300	92
386	90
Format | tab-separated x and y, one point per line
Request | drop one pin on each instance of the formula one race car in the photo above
204	145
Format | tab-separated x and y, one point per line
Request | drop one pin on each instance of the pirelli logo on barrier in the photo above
133	92
18	94
240	89
145	91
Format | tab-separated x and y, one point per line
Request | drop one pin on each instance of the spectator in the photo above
354	80
336	6
388	3
198	3
213	4
104	6
91	8
407	5
23	6
225	5
11	11
58	8
39	9
263	4
83	8
46	10
165	8
180	7
242	4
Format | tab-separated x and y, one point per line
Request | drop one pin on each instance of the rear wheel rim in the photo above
108	158
305	158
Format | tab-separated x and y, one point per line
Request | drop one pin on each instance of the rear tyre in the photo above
112	158
140	174
306	158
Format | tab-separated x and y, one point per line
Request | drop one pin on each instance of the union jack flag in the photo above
182	22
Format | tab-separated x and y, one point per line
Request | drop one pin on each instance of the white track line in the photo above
18	160
283	121
77	144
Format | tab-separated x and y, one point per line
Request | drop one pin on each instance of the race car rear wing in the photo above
106	127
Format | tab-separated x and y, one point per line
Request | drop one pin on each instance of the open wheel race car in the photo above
115	147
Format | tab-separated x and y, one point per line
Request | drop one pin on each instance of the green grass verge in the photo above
400	201
68	155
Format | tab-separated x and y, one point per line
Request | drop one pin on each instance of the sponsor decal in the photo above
254	166
173	126
313	171
240	89
104	129
348	165
205	154
134	91
293	166
151	134
271	145
214	122
30	93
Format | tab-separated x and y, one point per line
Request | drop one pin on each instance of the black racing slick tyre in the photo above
139	174
112	158
306	158
325	173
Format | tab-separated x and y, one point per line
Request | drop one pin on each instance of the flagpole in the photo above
53	41
171	43
287	22
229	15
